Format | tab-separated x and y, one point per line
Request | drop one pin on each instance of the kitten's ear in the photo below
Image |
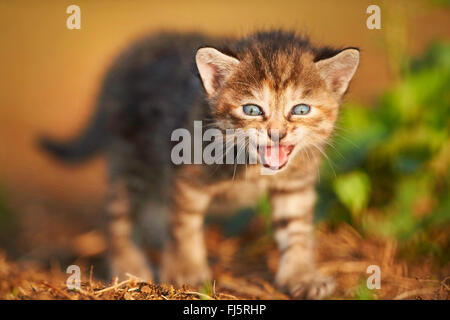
337	71
214	68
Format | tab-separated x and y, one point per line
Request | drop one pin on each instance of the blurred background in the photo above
387	176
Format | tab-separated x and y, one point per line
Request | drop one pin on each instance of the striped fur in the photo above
153	88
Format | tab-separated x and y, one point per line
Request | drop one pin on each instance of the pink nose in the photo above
276	135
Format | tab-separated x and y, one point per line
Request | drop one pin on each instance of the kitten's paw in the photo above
179	271
317	288
311	286
130	261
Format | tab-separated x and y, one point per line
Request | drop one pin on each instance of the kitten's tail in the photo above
90	142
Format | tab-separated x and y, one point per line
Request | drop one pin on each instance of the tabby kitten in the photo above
274	81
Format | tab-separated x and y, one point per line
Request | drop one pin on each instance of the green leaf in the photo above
364	293
353	190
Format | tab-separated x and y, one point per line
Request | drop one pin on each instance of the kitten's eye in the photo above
301	109
252	110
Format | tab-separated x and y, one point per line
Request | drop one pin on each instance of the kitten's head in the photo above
279	84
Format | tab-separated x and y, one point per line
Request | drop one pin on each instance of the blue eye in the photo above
301	109
252	110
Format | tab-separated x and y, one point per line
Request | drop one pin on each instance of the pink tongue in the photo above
275	156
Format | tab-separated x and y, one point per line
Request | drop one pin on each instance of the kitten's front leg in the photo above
292	215
185	258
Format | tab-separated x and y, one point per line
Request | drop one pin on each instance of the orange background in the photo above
50	75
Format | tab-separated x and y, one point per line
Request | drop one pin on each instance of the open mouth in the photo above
275	157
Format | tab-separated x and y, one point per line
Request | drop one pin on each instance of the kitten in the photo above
275	82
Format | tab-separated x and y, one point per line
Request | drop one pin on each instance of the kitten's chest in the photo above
237	194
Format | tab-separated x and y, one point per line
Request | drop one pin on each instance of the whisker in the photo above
335	149
325	155
344	137
236	159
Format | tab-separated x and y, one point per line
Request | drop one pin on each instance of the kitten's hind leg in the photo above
185	258
123	254
292	215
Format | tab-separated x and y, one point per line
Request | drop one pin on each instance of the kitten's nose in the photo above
276	135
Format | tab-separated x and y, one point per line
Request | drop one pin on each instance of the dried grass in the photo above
244	268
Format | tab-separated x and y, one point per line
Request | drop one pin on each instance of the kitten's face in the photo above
288	99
